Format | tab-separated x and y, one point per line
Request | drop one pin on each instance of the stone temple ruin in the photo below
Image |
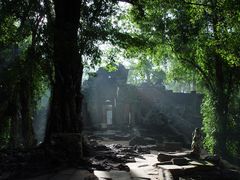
109	103
127	136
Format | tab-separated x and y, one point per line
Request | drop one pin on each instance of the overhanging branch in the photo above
201	71
198	68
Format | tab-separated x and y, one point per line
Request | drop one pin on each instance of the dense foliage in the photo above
201	38
33	36
47	43
23	70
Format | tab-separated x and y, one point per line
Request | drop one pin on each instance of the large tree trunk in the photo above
26	112
220	94
65	108
221	109
221	129
14	141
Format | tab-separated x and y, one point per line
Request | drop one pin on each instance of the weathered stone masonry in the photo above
112	103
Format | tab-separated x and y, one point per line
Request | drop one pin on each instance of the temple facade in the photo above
109	102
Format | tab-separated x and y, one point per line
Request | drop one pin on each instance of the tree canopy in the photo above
48	43
200	38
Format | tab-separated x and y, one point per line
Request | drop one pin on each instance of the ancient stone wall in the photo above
112	103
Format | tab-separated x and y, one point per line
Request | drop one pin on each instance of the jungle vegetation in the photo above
46	44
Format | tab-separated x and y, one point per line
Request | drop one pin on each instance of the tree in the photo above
203	37
79	25
66	97
65	34
145	71
23	72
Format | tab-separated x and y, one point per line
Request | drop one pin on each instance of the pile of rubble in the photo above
181	164
120	157
184	165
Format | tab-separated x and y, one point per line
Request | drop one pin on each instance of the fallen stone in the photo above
201	163
163	156
179	161
113	175
122	167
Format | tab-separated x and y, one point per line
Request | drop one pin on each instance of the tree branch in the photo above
197	67
201	71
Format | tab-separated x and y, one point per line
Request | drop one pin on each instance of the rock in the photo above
101	147
143	149
115	146
163	156
122	167
215	159
179	161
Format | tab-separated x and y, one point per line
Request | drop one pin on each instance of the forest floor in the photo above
113	155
